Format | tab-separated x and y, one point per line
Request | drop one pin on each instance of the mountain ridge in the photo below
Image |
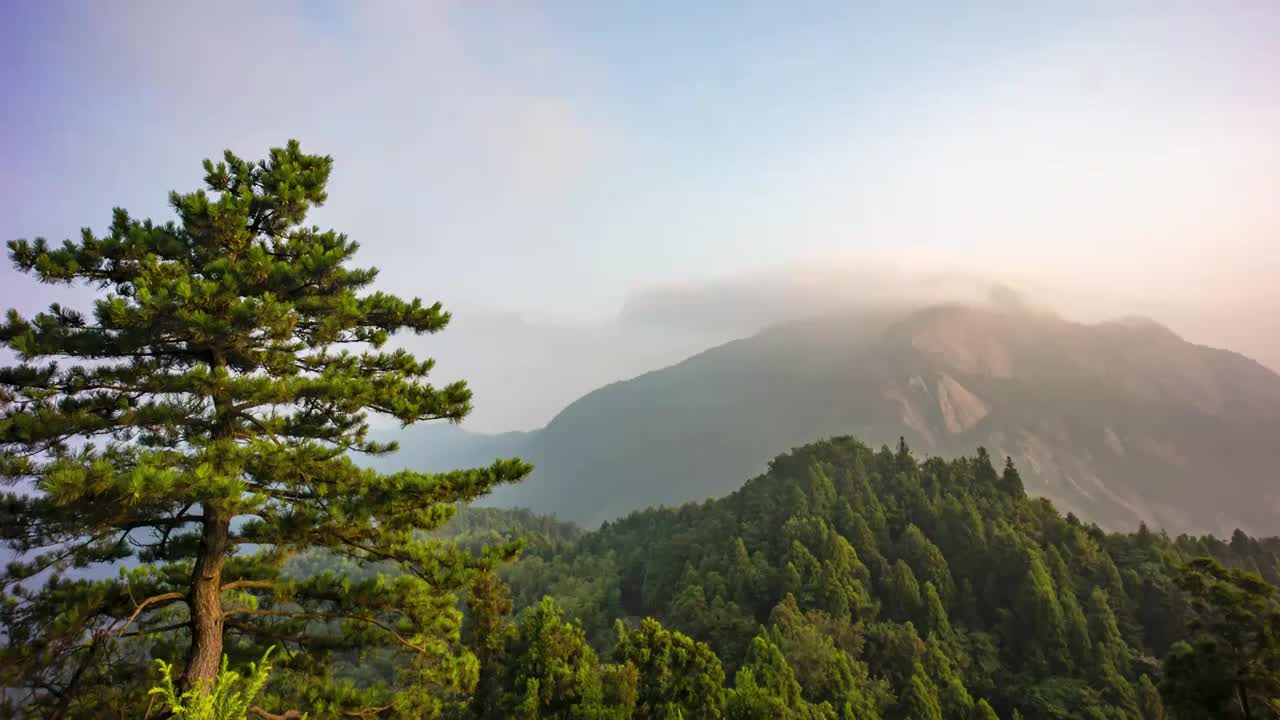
1118	421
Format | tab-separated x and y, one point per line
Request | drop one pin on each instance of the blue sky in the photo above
558	160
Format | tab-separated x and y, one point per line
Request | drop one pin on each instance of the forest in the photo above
192	537
852	583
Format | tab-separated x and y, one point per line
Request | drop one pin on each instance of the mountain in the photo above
1120	423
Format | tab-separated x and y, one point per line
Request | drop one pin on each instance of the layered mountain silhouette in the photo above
1120	423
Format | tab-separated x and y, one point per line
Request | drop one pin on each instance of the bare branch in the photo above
163	597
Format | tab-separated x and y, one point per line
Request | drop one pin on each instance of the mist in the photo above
590	211
524	371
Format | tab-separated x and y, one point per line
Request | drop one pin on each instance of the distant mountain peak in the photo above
1118	422
1143	323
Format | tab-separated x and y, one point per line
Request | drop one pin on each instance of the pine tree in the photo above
489	606
1011	479
772	673
822	492
745	584
953	696
818	647
920	699
1112	656
1040	627
864	542
984	711
937	624
675	673
903	592
198	425
554	673
1110	647
927	561
1077	628
1149	700
1231	666
984	472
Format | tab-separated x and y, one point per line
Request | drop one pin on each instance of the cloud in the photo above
448	148
746	302
1125	165
523	370
401	83
1207	307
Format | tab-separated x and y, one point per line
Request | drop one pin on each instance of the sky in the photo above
597	189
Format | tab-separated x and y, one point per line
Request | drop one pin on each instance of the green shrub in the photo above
227	697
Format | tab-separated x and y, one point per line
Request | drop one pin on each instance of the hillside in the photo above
1119	423
851	583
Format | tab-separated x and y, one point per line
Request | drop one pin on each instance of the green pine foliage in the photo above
677	675
1230	665
196	428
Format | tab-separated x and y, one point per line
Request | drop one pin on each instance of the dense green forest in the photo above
852	583
946	593
190	537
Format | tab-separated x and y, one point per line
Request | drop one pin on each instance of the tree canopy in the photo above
195	431
848	582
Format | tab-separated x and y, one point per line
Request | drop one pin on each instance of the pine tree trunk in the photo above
205	655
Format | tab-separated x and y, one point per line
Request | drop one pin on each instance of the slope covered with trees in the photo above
852	583
1120	423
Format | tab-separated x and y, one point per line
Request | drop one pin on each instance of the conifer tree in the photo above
1230	667
1149	700
1039	616
1109	645
927	561
1077	628
489	607
675	673
1011	479
920	699
550	671
771	672
937	624
902	591
197	426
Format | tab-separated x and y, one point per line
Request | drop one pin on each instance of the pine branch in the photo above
157	629
370	712
239	584
328	616
163	597
265	715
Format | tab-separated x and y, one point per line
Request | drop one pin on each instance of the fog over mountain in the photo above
524	369
1121	420
544	176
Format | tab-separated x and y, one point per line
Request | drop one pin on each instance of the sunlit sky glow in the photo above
557	159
